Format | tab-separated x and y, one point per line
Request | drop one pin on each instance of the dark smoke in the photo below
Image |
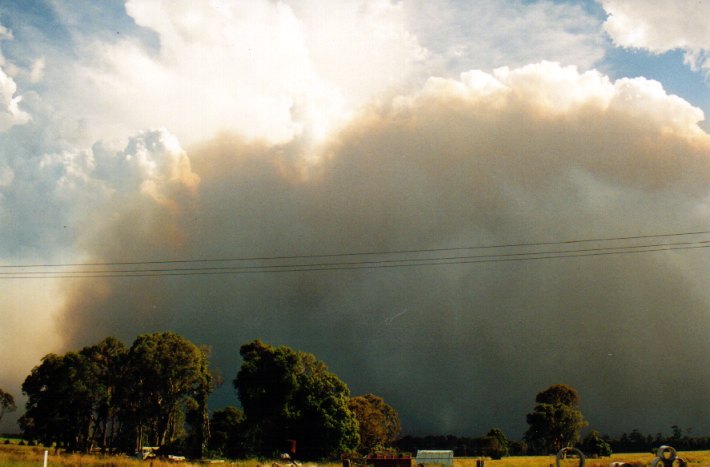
458	348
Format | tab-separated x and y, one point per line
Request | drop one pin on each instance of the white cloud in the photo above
219	67
276	71
5	33
660	26
556	90
154	163
361	47
263	69
488	34
37	71
10	112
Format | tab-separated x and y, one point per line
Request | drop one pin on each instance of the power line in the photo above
361	265
351	254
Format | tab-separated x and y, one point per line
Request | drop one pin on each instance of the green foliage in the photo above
497	443
62	392
7	403
227	432
106	359
594	445
169	376
116	398
265	385
378	422
290	395
559	394
555	421
72	398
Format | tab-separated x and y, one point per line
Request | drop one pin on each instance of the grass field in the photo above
14	455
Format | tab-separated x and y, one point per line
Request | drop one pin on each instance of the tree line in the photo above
635	441
592	444
114	398
120	398
555	422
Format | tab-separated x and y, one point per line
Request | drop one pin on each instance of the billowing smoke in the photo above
535	154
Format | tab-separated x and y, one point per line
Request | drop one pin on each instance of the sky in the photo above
453	204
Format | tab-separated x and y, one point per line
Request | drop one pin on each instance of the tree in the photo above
71	398
7	403
594	445
61	396
265	385
556	419
496	443
290	395
325	426
226	432
107	359
197	415
378	422
677	434
115	397
168	375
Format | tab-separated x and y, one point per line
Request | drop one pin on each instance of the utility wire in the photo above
361	265
350	254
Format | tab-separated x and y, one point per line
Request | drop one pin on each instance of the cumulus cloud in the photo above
43	214
10	112
488	34
541	152
361	47
266	70
660	27
5	33
37	71
155	163
276	71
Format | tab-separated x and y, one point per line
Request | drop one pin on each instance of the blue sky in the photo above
152	130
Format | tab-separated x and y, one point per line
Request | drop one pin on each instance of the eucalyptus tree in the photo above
556	420
61	395
291	395
120	398
167	376
378	422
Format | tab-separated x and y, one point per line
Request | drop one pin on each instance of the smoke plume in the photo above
535	154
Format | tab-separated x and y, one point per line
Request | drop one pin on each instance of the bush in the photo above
594	445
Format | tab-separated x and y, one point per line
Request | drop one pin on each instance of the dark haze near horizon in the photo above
454	348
